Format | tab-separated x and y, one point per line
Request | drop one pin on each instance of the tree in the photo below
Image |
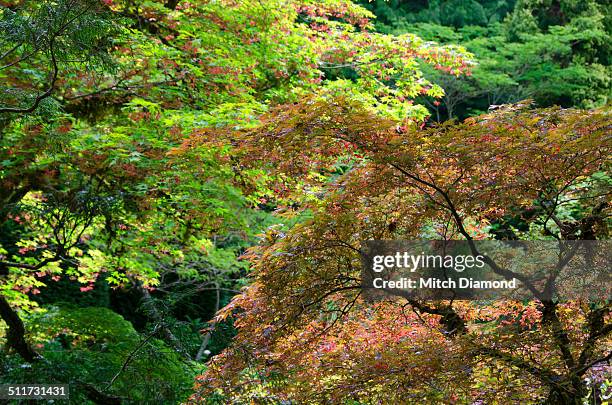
89	185
52	39
303	329
49	38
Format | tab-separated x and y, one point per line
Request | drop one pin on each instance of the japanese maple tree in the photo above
305	332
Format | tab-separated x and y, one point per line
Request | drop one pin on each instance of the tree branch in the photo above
40	97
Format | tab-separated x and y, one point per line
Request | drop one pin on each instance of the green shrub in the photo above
90	347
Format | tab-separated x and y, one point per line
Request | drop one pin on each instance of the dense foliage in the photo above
555	52
303	319
165	161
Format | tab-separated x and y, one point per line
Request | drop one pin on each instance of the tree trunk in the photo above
451	321
571	393
208	335
171	4
154	314
15	337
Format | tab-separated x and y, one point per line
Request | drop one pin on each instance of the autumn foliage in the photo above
305	332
